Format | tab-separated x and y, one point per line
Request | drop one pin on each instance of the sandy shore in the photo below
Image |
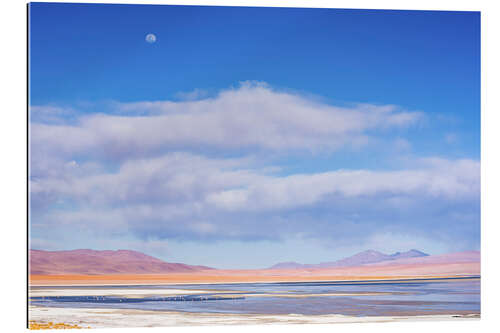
214	278
108	318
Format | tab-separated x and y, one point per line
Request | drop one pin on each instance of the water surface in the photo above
353	298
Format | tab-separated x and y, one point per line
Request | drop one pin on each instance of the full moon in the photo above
150	38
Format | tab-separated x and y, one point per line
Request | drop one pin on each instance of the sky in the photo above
243	137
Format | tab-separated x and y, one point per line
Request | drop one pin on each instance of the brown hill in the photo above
92	262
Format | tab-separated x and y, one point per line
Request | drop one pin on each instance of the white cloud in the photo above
437	178
253	115
140	171
185	195
233	184
51	114
174	177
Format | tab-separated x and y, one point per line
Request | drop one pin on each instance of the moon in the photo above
150	38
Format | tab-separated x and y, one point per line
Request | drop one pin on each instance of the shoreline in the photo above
107	318
179	280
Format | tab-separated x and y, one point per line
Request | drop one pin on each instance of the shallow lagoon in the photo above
351	298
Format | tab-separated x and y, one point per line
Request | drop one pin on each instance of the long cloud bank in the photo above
185	195
138	171
251	116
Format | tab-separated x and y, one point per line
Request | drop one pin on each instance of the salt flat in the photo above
107	318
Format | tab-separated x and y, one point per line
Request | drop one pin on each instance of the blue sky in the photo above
247	136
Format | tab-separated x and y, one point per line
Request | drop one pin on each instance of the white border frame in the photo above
13	148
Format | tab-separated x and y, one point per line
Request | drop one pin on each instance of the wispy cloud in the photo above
193	95
50	114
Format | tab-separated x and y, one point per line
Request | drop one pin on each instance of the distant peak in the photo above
419	252
287	264
371	252
409	254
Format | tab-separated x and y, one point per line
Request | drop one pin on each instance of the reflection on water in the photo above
367	298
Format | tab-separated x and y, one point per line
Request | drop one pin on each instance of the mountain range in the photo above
90	262
123	262
362	258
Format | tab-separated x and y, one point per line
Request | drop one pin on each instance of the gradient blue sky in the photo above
248	136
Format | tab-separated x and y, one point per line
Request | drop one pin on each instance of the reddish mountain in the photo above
94	262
